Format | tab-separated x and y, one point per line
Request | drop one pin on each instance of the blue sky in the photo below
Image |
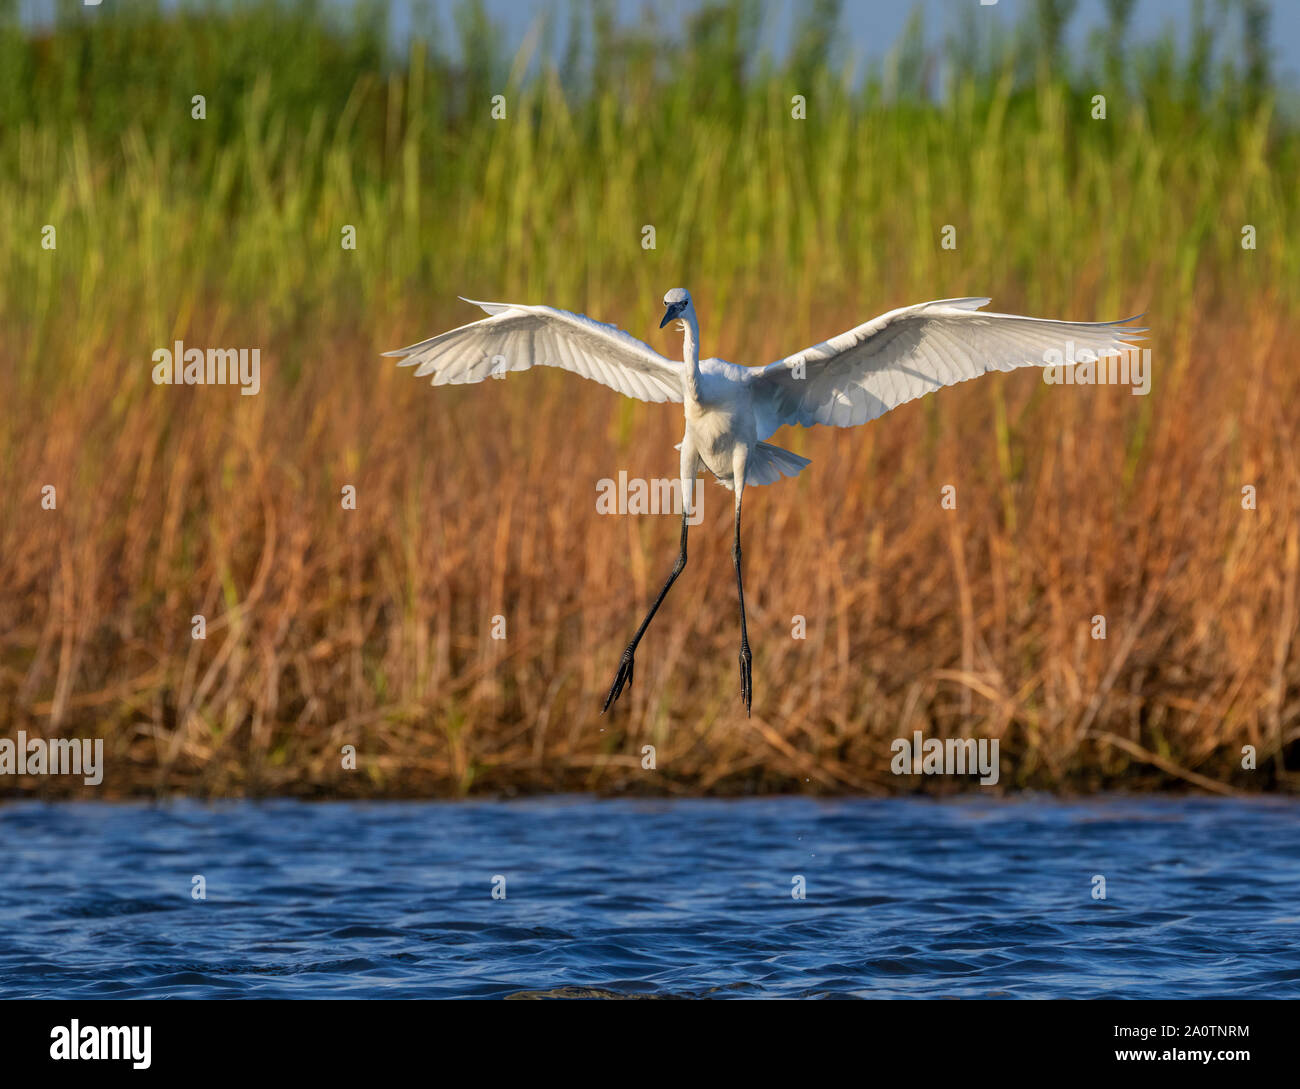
871	26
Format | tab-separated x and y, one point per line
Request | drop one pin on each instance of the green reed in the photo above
229	230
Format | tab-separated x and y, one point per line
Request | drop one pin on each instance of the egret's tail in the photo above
768	464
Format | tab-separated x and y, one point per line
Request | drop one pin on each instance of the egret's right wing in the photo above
516	337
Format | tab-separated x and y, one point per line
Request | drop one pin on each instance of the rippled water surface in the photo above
904	898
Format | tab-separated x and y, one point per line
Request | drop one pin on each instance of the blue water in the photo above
904	898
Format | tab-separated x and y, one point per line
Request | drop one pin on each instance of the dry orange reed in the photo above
329	627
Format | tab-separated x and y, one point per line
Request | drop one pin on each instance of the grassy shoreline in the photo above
371	627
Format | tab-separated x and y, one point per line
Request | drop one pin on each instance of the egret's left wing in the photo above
517	337
863	373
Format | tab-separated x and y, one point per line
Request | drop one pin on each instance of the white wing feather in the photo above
516	337
862	374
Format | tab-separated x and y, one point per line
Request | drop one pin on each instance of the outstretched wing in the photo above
897	357
516	337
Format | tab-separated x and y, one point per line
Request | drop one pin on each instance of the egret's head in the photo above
678	303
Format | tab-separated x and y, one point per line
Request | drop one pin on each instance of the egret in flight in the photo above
731	410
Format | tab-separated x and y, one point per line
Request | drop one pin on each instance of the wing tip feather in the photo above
488	307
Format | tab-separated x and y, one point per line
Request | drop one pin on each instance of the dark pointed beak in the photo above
671	313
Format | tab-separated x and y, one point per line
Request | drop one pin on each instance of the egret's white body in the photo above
730	410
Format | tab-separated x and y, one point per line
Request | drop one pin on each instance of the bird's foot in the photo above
625	668
746	676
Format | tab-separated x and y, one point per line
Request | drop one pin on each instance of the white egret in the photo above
730	410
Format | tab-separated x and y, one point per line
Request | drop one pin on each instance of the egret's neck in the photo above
691	355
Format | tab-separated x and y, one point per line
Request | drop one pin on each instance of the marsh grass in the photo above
329	627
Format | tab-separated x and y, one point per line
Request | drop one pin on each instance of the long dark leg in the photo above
625	666
746	670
